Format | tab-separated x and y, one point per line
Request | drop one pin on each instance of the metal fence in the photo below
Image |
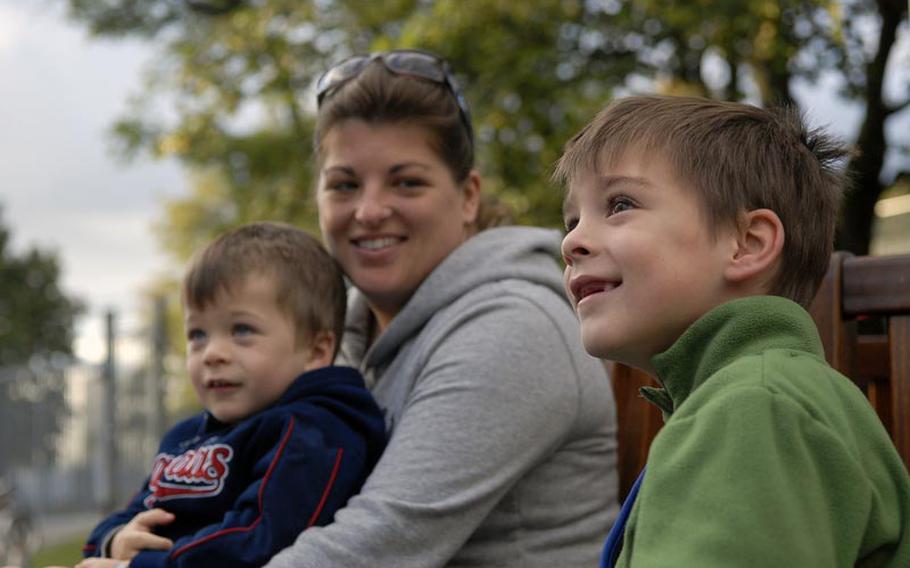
81	437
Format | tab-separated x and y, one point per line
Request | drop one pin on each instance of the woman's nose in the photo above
373	207
575	245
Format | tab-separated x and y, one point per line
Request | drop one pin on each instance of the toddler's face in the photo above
242	350
641	264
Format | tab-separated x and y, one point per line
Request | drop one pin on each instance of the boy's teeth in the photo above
373	244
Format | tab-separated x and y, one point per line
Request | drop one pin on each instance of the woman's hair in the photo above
378	95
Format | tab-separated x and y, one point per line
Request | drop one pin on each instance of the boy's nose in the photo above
216	352
573	246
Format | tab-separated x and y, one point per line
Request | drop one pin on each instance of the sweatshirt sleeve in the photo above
99	540
298	482
481	415
750	479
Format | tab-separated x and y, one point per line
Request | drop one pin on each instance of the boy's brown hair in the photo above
738	158
309	285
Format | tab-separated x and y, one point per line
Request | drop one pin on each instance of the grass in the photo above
64	554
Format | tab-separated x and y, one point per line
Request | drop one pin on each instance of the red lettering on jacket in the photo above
200	472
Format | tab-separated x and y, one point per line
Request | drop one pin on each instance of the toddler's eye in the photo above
570	223
195	336
243	329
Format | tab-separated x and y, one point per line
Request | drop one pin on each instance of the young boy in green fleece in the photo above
697	234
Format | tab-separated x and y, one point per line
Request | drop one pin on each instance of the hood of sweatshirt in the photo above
525	253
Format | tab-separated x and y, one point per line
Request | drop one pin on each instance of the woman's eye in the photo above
341	185
410	183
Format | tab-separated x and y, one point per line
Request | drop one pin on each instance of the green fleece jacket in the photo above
768	457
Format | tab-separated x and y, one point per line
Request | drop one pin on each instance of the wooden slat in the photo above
838	336
638	422
876	285
873	358
899	332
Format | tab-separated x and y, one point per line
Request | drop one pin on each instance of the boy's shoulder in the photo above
765	347
790	381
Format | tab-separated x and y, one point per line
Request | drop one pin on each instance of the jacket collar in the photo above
736	329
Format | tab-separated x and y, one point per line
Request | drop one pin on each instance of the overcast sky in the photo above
61	189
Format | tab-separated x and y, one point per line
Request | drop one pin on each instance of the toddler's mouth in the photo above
221	384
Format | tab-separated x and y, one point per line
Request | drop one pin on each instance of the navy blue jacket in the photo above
242	492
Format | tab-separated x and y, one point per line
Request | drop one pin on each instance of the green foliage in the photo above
239	74
36	317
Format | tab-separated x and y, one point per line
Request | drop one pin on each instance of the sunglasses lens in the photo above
416	64
403	62
340	73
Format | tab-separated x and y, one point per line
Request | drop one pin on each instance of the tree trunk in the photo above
855	231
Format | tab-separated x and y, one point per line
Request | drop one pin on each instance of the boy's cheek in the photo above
568	292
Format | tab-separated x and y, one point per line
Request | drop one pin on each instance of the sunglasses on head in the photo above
410	62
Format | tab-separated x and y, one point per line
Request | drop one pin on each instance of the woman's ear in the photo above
322	350
760	240
471	203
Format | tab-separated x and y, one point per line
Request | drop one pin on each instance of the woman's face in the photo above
389	209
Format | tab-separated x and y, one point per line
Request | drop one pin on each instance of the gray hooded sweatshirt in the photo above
503	446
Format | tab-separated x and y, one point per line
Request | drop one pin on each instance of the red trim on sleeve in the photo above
265	480
328	488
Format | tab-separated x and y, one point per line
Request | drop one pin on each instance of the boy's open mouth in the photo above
585	286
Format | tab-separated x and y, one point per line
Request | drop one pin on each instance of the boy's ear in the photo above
760	240
322	350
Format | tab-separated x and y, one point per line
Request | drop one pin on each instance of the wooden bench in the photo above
862	311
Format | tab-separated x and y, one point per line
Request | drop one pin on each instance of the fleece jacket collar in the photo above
735	329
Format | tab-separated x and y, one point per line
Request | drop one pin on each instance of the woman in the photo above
502	448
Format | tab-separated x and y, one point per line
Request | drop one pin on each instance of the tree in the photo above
780	42
36	329
534	73
36	317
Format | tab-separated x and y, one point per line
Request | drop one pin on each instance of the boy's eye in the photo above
619	204
570	223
